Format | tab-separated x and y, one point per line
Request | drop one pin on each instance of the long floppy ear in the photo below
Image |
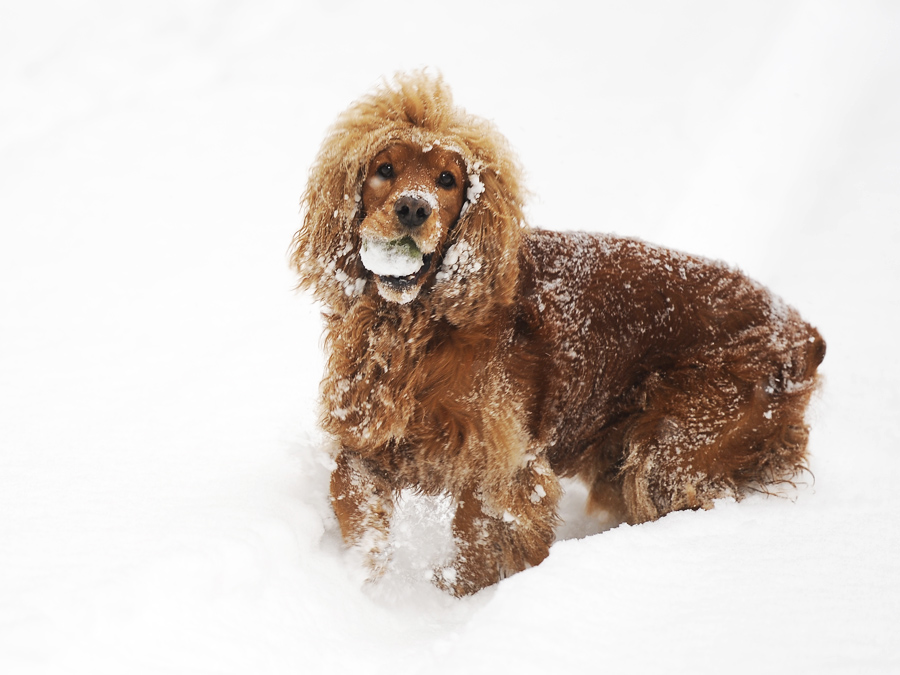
481	270
324	249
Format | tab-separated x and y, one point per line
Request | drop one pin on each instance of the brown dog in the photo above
473	356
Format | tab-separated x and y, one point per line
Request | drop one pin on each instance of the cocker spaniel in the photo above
470	355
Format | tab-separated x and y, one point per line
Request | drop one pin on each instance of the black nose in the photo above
412	211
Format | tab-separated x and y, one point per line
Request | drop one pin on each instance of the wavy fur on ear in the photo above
480	271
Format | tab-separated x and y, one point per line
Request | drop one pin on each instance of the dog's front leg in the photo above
503	529
363	505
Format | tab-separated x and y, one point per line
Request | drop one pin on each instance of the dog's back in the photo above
662	364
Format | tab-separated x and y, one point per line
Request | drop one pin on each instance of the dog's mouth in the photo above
398	265
405	282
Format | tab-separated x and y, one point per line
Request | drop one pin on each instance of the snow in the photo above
459	261
397	258
163	487
475	189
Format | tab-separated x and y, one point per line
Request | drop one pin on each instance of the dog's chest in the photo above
407	389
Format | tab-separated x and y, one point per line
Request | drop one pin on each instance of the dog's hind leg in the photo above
703	436
363	504
503	529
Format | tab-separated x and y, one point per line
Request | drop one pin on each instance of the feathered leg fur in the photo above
707	435
363	505
503	531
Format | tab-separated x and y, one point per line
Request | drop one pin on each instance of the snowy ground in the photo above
162	482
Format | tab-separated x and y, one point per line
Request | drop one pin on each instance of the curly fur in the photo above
664	381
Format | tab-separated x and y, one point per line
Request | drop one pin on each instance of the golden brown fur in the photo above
516	356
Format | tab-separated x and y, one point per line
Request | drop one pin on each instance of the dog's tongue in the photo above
391	258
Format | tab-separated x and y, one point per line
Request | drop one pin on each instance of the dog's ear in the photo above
493	224
324	251
482	274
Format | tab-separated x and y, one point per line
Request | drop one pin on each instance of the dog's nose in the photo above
412	211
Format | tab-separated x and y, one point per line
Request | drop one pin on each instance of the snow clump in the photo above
460	258
391	258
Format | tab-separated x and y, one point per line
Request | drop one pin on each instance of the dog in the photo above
470	355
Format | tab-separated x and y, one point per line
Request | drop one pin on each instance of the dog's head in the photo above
412	201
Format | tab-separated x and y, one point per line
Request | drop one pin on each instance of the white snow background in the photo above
162	483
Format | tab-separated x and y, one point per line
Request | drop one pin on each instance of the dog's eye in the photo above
386	171
446	180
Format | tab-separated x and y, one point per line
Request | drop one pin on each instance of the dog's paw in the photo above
449	580
444	577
